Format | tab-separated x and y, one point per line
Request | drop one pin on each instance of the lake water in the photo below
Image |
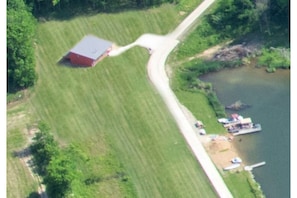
269	95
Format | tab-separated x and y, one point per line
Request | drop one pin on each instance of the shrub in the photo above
52	163
214	101
274	58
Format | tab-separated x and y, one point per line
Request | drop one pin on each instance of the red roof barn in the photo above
89	51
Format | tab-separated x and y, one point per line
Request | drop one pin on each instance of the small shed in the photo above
89	51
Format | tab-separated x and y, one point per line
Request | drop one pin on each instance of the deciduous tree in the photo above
233	17
20	51
60	174
43	148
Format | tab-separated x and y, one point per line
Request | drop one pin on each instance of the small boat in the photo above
233	118
236	160
224	120
239	123
233	166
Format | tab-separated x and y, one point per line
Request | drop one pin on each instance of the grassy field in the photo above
111	112
19	180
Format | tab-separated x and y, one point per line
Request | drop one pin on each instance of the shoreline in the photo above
220	148
220	151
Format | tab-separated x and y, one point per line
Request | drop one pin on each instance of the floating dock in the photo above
251	167
255	128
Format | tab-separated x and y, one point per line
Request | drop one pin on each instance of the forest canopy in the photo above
234	18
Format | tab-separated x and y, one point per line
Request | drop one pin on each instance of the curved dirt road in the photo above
157	74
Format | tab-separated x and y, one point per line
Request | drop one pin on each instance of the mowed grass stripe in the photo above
17	172
114	108
155	140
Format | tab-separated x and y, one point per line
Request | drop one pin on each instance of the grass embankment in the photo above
243	185
111	112
199	106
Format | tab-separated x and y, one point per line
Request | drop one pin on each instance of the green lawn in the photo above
198	104
112	112
242	185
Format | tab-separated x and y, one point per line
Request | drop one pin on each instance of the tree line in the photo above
238	17
50	6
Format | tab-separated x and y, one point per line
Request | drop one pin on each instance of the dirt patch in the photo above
207	54
182	13
13	120
221	150
234	52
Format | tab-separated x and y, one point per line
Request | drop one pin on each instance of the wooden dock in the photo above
251	167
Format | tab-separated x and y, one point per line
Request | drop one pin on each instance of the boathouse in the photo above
89	51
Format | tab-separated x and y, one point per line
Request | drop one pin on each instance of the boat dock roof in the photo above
242	121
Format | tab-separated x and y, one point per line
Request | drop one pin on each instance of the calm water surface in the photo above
269	95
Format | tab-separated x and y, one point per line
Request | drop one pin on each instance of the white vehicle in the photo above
236	160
